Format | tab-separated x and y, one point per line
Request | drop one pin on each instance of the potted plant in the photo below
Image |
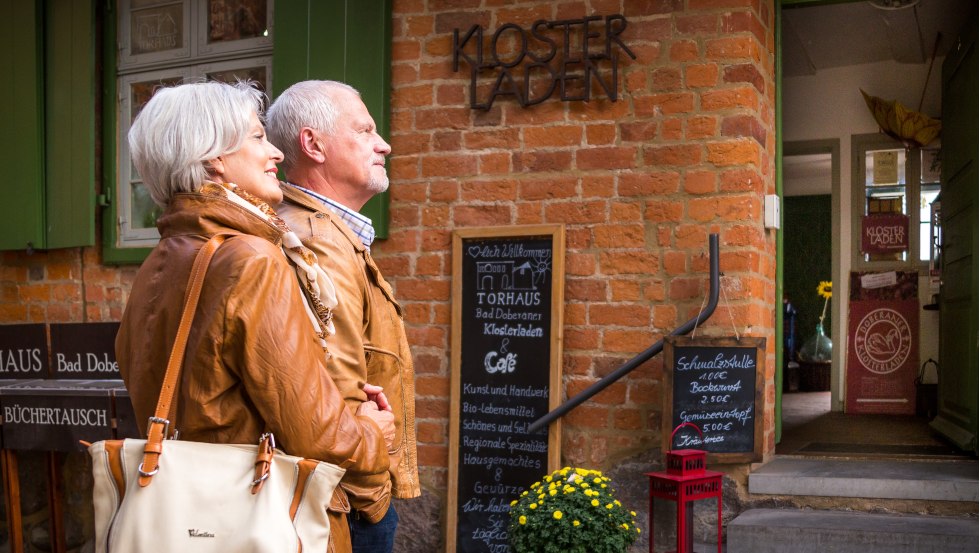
572	510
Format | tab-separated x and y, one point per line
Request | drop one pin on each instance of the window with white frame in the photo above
166	42
895	184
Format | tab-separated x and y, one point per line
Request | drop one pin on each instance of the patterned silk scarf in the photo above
320	297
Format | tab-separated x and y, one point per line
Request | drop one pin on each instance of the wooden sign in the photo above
84	351
507	303
717	384
23	351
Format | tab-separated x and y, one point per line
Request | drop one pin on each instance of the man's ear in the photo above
311	146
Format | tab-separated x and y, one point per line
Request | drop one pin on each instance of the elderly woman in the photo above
255	358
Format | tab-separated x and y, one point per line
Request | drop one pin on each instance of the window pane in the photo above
143	91
236	20
257	74
927	195
157	29
885	191
144	211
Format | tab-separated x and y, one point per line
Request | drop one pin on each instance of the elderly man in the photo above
334	161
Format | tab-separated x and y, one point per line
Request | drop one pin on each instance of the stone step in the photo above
910	480
807	531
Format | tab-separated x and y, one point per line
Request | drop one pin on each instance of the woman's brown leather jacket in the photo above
253	363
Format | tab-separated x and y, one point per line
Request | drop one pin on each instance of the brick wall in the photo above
687	150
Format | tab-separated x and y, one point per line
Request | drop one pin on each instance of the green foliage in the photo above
571	511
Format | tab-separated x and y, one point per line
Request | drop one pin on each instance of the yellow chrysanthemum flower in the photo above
512	503
609	505
553	493
576	523
557	515
825	289
522	520
532	506
595	502
625	526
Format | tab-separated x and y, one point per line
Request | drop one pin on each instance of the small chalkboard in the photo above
717	384
506	373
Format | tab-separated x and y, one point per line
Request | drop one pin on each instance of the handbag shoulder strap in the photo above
159	425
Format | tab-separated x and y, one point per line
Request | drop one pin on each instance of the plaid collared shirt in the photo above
362	226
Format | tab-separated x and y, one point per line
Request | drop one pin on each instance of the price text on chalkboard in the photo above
507	305
717	384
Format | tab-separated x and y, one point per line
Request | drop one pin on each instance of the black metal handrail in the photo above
645	355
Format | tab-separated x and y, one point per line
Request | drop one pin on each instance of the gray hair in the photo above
183	127
311	104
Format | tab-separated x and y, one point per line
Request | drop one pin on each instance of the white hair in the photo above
183	127
311	104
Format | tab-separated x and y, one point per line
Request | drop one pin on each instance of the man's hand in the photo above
376	394
384	419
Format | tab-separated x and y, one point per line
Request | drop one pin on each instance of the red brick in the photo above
728	98
618	315
663	211
443	191
405	216
487	191
625	212
437	386
432	455
639	8
664	104
411	96
529	213
600	134
730	48
638	131
448	21
736	22
685	288
690	236
700	182
403	168
620	263
700	76
405	50
576	212
672	129
548	189
430	432
523	16
581	338
624	290
628	341
739	126
481	215
745	73
617	157
614	394
579	264
491	139
619	236
584	289
419	25
601	185
448	165
702	126
675	262
684	50
679	155
405	144
665	316
496	163
698	24
588	416
450	94
428	335
441	118
539	161
555	135
734	152
435	239
439	47
665	79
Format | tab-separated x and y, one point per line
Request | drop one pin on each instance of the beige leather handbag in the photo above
160	496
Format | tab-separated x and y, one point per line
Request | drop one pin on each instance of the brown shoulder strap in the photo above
159	426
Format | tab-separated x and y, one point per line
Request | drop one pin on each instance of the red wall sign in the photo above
885	233
883	352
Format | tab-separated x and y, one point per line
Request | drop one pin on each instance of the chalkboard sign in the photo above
506	373
717	384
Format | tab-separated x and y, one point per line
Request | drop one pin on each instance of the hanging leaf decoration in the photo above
901	123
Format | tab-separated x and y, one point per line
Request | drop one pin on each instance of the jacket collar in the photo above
193	213
301	198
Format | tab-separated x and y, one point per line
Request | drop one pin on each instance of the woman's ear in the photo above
215	168
311	146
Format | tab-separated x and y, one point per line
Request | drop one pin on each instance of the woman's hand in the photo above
376	394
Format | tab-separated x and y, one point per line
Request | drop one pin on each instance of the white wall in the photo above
830	105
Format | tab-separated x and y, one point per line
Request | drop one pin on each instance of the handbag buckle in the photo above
158	420
270	437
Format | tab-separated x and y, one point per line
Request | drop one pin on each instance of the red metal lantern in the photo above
684	481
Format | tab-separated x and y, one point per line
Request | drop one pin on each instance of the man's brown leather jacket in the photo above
369	344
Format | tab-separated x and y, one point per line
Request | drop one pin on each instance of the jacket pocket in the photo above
384	368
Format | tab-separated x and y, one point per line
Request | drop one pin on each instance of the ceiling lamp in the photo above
893	4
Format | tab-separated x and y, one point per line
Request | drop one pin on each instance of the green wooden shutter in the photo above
21	110
48	108
341	40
